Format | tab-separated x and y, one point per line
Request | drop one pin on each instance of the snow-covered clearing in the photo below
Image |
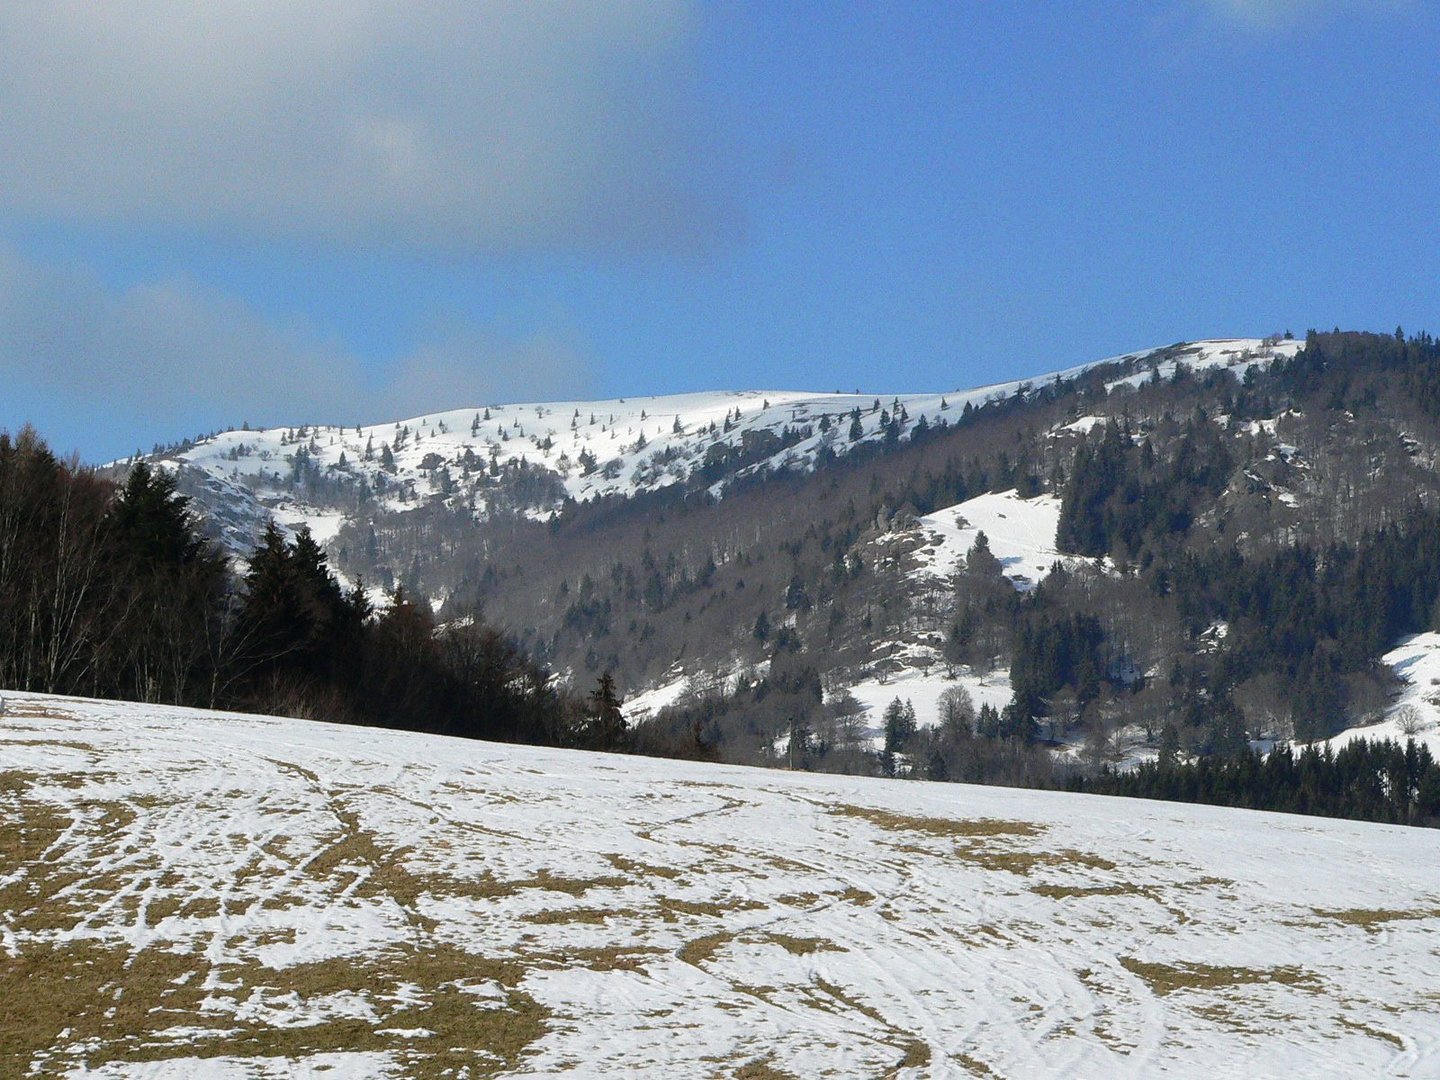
200	895
1020	532
1416	713
644	705
922	688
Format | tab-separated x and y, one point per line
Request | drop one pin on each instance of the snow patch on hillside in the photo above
1236	355
1021	534
923	689
644	705
1415	714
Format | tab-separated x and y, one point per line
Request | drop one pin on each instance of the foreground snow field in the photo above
186	894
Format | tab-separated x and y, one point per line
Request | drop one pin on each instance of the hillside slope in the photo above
194	894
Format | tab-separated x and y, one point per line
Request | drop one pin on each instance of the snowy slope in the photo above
1233	354
629	444
185	894
1020	532
1021	535
1416	712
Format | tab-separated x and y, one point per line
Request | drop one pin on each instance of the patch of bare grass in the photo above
943	827
974	1065
86	1004
591	916
1373	1032
803	946
1169	978
800	900
917	1056
702	949
762	1070
1066	892
712	908
849	1001
636	869
1373	920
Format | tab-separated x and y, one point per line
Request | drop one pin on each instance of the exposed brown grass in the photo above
803	946
944	827
1373	920
636	869
1169	978
591	916
1066	892
762	1070
114	1006
974	1065
712	908
800	900
917	1056
1373	1032
702	949
849	1001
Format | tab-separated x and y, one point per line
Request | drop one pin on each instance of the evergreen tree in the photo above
608	729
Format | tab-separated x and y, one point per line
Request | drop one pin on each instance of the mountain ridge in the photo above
632	447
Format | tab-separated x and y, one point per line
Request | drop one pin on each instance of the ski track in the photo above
820	925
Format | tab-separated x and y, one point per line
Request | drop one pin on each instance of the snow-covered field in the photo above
185	894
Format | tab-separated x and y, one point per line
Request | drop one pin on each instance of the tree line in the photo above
1369	780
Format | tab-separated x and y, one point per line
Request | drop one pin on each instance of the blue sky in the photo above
352	210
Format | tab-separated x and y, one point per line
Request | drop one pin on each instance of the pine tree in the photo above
607	726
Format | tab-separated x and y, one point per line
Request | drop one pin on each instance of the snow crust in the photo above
823	925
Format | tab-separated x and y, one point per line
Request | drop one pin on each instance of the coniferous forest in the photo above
110	591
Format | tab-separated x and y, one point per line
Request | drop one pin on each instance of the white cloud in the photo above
1267	14
461	125
113	370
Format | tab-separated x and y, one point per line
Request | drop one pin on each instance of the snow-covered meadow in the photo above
190	894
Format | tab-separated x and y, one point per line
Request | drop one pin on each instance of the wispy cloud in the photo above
1271	14
456	125
115	369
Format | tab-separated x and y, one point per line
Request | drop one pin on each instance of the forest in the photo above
109	590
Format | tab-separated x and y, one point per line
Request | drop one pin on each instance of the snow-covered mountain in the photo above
191	894
532	457
532	460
